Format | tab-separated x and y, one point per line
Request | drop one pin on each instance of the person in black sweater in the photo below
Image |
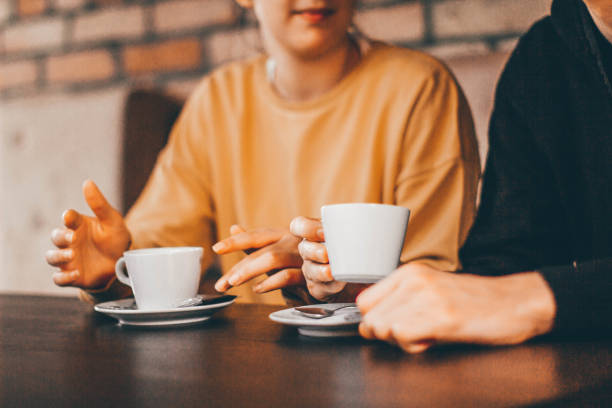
538	258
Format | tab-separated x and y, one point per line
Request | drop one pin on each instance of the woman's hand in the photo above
270	251
418	306
317	272
88	247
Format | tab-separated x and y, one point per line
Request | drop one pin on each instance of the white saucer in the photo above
120	310
343	323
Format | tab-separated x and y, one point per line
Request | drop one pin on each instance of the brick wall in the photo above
79	45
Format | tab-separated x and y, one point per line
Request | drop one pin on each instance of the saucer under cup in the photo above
364	241
161	278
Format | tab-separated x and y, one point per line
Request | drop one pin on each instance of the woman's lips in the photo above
314	15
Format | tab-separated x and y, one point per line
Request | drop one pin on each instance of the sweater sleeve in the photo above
520	226
439	173
582	293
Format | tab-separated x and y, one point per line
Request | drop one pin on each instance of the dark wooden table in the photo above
58	352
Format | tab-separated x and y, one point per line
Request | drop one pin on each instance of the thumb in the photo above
98	204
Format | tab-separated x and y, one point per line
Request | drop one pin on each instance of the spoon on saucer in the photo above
320	312
208	299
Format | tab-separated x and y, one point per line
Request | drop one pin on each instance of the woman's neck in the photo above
298	79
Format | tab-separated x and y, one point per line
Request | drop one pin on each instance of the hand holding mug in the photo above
317	272
88	247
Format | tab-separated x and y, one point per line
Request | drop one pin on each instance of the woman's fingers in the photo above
370	297
98	203
65	278
393	309
59	257
281	279
72	219
325	291
317	273
258	263
418	347
246	240
62	237
310	229
313	251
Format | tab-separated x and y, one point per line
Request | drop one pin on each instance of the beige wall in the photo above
49	145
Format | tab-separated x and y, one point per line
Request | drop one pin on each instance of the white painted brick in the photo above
34	36
228	46
476	17
189	14
398	23
110	24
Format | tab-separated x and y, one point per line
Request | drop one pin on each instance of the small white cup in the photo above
161	278
364	241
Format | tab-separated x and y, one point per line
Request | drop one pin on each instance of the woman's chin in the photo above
314	45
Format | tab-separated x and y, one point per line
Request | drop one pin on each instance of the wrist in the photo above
538	306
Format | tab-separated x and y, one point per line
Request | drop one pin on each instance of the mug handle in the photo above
120	272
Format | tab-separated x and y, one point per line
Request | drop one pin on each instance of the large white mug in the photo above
161	278
364	241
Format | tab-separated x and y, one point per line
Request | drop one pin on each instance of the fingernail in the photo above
70	236
219	246
320	233
233	280
68	253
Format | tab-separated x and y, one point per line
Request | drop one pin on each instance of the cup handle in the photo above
120	272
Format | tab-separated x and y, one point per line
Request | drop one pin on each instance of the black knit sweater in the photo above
547	190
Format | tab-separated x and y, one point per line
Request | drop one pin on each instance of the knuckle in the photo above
303	249
310	271
307	271
272	257
297	225
417	279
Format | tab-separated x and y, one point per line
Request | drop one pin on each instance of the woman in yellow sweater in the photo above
324	116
